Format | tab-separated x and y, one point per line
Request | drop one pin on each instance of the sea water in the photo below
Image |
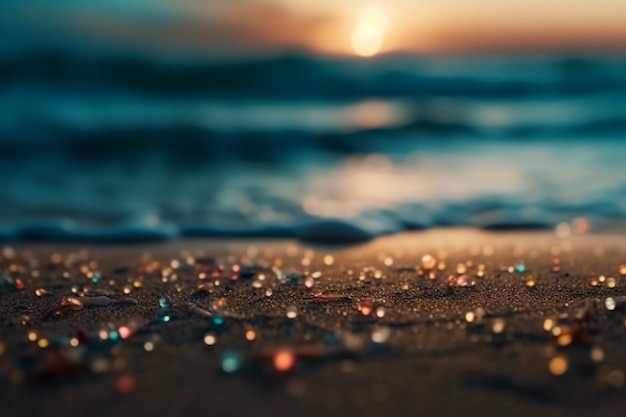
125	147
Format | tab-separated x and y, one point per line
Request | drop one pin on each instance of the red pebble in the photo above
365	306
125	384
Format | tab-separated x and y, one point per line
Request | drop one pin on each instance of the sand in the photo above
373	336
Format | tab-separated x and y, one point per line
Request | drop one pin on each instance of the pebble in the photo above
230	361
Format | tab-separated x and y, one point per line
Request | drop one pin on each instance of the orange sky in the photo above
327	26
466	25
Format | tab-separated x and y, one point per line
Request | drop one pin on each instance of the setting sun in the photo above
367	37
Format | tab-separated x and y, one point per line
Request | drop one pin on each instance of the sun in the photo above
367	37
366	41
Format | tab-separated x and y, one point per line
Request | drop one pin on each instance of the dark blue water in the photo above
116	148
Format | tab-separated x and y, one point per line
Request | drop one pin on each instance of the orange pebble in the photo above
284	360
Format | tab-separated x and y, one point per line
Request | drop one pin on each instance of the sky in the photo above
352	27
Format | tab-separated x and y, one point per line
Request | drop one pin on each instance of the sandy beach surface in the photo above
444	322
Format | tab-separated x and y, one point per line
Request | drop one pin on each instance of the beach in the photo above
303	208
442	322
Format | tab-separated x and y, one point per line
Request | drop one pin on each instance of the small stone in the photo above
564	339
530	281
365	306
164	315
209	339
128	301
309	282
72	303
205	287
548	324
596	354
40	292
165	302
125	384
498	326
558	365
230	361
95	301
462	281
428	262
381	334
459	281
250	335
284	360
20	285
292	312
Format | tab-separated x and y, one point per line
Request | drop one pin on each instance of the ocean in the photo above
115	148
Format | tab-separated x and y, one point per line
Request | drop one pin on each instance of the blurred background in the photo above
324	120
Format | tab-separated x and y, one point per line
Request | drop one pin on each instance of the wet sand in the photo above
380	331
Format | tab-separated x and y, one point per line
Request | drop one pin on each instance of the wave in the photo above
192	141
307	77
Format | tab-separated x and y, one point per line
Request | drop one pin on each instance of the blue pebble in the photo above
164	315
218	320
165	302
293	278
230	361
